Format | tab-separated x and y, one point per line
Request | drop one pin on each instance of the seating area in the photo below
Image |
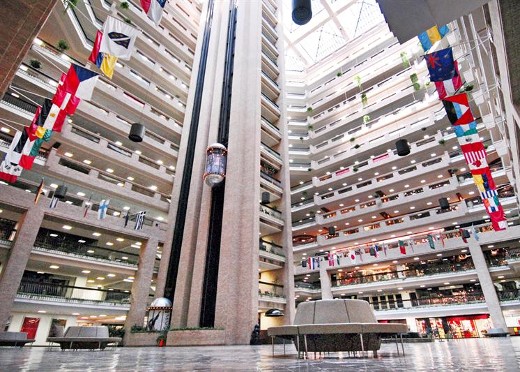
337	325
85	338
14	339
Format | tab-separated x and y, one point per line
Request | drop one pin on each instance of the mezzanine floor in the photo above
455	355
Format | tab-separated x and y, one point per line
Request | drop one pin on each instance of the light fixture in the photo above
136	132
274	313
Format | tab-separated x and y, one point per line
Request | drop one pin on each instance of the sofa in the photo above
76	337
14	339
337	325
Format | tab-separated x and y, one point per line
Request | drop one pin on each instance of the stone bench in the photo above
14	339
337	325
85	338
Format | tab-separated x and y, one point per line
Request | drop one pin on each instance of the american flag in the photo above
139	220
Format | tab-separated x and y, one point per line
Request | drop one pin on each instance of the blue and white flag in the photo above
139	220
103	207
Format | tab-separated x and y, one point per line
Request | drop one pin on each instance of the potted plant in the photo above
357	146
357	79
310	127
339	74
309	109
366	119
62	45
364	99
161	339
35	63
415	81
70	4
124	5
128	20
352	139
442	141
404	58
355	169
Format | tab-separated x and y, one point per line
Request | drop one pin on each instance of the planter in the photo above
141	339
196	337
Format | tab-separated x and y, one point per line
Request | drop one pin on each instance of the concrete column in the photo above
141	285
17	258
490	294
326	288
21	22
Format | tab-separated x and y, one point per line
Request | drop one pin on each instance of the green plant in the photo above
355	169
339	74
309	169
364	99
301	139
357	146
404	58
309	109
416	86
124	5
35	63
128	20
357	79
442	141
468	87
62	45
310	127
352	139
70	4
366	119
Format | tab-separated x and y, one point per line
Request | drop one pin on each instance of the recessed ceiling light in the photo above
124	258
53	235
42	311
86	161
86	271
100	278
82	241
5	130
69	154
40	272
160	218
54	267
91	281
153	187
120	239
160	162
138	152
75	314
111	275
53	185
129	178
400	288
109	243
119	143
96	234
501	277
90	251
110	170
67	227
446	283
126	208
80	193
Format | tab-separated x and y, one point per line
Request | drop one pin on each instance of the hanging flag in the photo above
352	256
441	237
457	109
80	82
139	221
359	253
54	202
450	86
153	9
440	64
411	244
108	65
475	233
373	252
26	160
87	206
475	155
385	249
9	168
483	179
498	219
67	101
127	217
118	38
95	55
402	247
39	192
431	36
103	207
431	242
462	235
492	204
463	130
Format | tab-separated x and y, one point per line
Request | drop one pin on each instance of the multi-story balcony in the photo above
271	135
271	256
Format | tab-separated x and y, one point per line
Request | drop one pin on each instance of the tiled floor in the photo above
456	355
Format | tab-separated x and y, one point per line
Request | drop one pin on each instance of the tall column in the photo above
326	287
490	294
21	22
141	285
17	258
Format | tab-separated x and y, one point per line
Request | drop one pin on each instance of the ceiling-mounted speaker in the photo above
444	203
136	132
301	11
56	145
465	234
402	147
266	199
60	192
332	230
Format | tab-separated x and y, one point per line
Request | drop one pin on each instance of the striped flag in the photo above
39	192
103	207
54	202
153	9
88	204
451	86
139	220
9	168
402	247
488	194
432	35
431	242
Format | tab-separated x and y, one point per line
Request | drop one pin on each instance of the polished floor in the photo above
455	355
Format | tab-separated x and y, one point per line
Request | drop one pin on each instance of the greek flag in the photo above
139	220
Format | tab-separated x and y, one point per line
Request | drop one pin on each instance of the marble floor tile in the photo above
500	354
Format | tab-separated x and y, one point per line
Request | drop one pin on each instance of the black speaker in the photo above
56	145
332	230
465	233
266	198
444	203
402	147
60	192
136	132
301	11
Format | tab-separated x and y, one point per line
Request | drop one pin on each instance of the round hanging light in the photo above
60	192
402	147
216	160
302	12
136	132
